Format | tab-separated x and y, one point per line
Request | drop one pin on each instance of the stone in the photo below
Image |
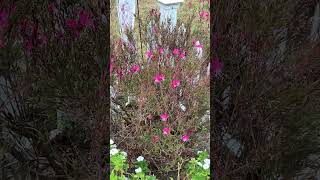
126	16
233	145
226	98
168	11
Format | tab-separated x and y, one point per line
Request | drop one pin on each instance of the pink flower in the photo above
158	78
182	55
155	139
161	50
84	19
204	14
164	117
176	51
135	68
198	45
185	138
149	54
217	66
166	131
175	83
71	23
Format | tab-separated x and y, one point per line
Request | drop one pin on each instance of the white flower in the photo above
114	151
182	107
207	161
124	153
199	152
206	166
140	158
111	141
139	170
199	163
113	146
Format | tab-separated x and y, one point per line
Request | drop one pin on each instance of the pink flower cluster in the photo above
185	138
166	132
149	54
197	44
135	68
180	53
176	52
204	15
164	117
175	83
158	78
161	50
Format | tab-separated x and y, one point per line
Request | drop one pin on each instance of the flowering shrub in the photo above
163	90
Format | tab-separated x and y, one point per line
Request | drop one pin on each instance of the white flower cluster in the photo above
114	150
205	165
138	170
139	159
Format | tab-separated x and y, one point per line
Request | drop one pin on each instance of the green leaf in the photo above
113	176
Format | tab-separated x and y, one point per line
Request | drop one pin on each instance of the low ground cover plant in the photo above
197	168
